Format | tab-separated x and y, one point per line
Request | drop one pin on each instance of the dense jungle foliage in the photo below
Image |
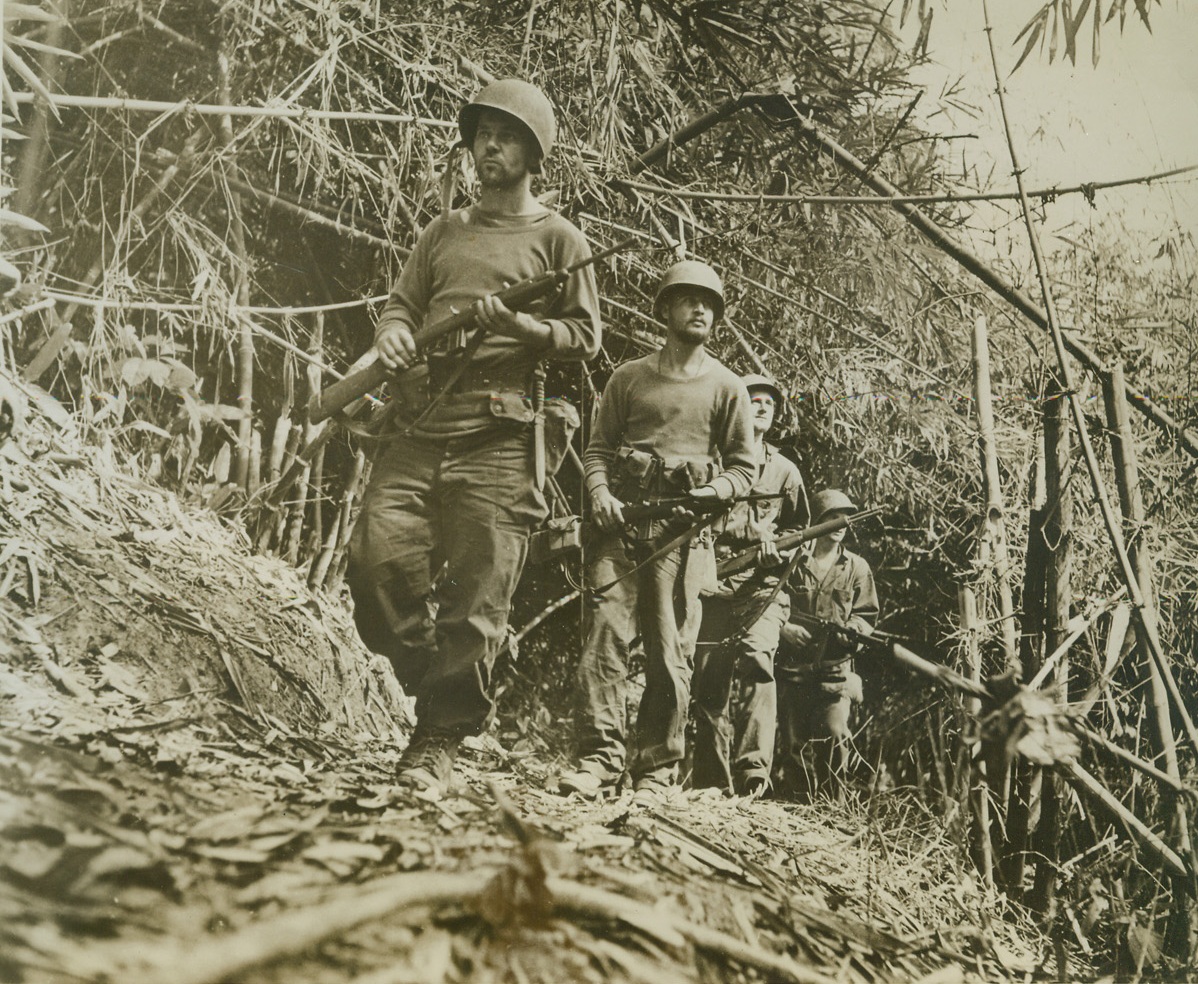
199	269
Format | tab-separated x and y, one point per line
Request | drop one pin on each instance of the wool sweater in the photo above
469	254
695	421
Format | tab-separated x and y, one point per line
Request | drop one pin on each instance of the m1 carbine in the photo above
331	399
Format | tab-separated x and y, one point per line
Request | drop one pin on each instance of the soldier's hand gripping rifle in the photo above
516	297
688	506
565	535
884	643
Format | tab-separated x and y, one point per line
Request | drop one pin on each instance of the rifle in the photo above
565	534
636	512
331	399
747	558
892	646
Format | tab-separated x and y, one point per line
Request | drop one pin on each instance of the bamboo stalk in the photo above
241	291
900	199
993	541
32	169
62	100
979	791
1023	803
1127	480
1099	794
123	304
359	476
316	347
1046	833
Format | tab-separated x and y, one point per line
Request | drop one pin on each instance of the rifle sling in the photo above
670	545
761	609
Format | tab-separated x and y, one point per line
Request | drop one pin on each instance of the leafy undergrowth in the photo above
197	762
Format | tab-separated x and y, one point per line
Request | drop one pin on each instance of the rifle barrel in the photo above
747	558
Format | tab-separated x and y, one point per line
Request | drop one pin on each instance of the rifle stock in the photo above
747	558
332	398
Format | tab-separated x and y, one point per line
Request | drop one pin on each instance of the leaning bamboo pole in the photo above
1131	502
782	110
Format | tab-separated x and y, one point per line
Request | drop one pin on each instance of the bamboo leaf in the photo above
27	11
47	49
1097	32
1037	18
1070	32
20	221
1031	43
17	64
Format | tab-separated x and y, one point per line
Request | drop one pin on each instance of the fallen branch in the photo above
411	896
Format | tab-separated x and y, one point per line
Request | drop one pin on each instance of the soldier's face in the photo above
503	150
763	411
689	315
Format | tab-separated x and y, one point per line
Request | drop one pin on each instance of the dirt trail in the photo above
196	764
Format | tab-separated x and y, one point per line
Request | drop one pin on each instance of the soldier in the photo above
817	686
742	620
443	532
672	423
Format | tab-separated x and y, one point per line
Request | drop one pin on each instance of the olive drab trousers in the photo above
660	602
434	560
735	696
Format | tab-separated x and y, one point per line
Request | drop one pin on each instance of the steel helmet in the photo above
756	380
517	98
830	500
691	273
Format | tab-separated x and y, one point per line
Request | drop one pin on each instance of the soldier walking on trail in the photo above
673	423
734	740
443	532
817	685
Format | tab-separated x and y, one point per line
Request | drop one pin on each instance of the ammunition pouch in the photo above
557	538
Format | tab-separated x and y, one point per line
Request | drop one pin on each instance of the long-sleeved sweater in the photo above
470	254
694	420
